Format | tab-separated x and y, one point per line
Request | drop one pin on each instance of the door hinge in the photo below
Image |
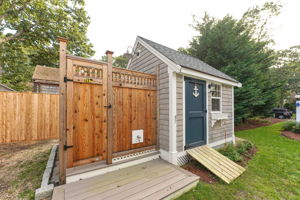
66	79
67	147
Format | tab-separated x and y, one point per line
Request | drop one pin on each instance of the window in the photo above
215	97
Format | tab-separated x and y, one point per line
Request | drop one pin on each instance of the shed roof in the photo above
6	87
186	61
44	73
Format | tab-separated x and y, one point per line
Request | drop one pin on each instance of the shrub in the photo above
230	152
234	152
259	119
291	126
244	146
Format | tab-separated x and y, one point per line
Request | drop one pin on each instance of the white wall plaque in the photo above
137	136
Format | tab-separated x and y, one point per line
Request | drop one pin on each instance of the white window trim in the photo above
221	98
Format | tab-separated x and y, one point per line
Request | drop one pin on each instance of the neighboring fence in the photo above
26	116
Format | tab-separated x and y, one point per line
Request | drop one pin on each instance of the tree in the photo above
287	72
29	31
119	61
240	48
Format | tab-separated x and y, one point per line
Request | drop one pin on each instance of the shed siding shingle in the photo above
147	62
218	132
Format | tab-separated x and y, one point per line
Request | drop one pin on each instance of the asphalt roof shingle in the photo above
186	61
46	73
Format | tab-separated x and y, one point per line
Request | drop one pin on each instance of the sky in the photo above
116	23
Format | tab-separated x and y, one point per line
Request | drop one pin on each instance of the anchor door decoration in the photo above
196	91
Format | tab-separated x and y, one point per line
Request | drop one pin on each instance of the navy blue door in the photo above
195	112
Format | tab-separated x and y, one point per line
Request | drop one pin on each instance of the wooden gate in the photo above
103	105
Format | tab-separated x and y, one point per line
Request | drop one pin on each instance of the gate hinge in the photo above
66	79
67	147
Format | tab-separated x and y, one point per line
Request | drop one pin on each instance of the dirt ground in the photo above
21	167
291	135
250	124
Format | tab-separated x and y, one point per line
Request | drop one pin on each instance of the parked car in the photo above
282	113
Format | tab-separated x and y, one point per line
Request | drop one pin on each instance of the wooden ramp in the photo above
218	164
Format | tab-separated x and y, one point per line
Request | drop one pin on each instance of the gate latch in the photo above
108	106
66	79
67	147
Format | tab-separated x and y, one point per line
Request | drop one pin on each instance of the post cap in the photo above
109	52
62	39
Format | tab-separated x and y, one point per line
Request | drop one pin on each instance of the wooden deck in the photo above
155	179
218	164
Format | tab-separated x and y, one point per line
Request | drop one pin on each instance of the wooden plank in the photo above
221	166
58	193
170	189
231	165
227	160
153	167
209	166
70	116
26	116
114	194
109	102
141	192
114	179
62	110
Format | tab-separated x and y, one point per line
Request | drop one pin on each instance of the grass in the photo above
31	171
273	173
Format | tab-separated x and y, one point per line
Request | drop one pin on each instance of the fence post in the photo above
62	109
109	110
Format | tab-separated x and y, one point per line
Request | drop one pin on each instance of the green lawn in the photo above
273	173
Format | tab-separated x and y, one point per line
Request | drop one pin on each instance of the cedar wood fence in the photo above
100	106
28	116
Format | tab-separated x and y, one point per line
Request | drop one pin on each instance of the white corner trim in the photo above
172	113
220	142
207	77
233	134
168	156
207	117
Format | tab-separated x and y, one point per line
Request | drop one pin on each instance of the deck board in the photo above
218	164
135	182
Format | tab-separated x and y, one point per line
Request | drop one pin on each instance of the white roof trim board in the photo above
185	64
7	87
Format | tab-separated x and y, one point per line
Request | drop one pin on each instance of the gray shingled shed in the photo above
46	80
196	102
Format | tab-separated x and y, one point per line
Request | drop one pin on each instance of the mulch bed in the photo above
251	124
291	135
246	157
205	175
208	177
